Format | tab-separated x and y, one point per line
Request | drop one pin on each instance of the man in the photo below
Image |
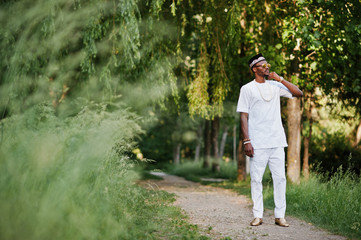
264	136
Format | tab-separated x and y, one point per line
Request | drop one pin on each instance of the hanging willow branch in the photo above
219	53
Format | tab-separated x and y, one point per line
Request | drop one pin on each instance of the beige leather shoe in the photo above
281	222
256	222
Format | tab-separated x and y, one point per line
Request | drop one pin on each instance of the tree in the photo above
215	39
313	35
307	138
97	51
205	36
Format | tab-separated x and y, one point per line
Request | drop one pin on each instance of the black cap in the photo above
255	59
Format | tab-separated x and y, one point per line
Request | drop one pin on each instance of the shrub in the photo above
194	171
71	178
330	151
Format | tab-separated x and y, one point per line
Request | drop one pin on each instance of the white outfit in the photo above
264	118
262	103
275	158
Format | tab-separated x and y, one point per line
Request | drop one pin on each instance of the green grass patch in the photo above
244	187
72	178
334	204
146	175
194	171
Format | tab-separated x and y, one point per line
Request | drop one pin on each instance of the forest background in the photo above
90	88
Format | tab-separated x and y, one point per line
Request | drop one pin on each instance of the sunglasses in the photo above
264	65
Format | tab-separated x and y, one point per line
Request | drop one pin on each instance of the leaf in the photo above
313	65
173	8
317	34
316	43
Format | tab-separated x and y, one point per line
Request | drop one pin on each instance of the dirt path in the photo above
221	213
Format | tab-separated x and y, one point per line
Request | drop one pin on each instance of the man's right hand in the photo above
248	149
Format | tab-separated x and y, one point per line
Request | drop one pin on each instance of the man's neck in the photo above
260	79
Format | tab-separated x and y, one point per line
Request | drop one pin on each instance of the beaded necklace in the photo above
269	89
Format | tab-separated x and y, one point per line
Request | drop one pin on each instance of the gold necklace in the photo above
269	89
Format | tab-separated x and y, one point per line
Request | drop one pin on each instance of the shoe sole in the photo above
256	225
282	225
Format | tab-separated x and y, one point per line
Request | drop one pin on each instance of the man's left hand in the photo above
274	76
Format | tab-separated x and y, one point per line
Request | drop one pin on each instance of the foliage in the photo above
65	49
205	38
73	179
157	144
72	75
342	50
332	142
326	204
317	39
331	151
169	129
193	170
300	40
318	44
72	72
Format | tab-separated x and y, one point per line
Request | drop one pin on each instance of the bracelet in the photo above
247	139
246	142
281	79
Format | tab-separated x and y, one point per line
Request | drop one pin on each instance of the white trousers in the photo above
275	158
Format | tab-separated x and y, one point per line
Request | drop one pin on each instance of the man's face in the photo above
262	68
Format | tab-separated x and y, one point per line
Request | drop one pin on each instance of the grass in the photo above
333	203
146	175
72	178
194	171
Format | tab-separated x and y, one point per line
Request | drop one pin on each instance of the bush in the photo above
194	171
330	151
71	178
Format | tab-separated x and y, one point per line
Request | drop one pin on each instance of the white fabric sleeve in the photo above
284	91
243	101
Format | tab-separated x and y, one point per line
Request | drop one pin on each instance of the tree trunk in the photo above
241	157
199	143
358	135
197	152
305	166
215	134
241	163
176	153
223	141
207	144
235	142
306	141
294	140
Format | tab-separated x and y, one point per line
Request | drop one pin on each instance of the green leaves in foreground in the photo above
71	178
